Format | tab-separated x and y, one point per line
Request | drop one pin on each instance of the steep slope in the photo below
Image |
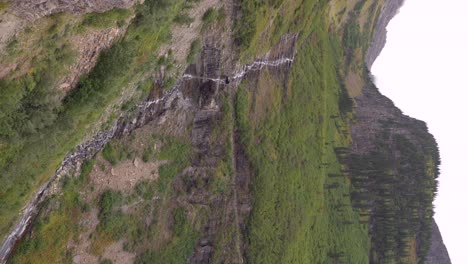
222	132
438	253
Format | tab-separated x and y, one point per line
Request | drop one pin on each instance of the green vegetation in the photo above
312	201
177	152
183	18
110	154
179	248
146	189
351	39
3	6
300	214
398	189
48	242
37	132
245	26
210	16
110	217
86	169
194	52
290	142
111	18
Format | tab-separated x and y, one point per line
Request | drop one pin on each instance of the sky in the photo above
423	69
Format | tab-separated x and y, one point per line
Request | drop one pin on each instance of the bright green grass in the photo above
295	219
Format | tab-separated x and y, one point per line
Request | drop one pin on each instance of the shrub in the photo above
111	219
244	28
183	18
86	169
107	19
195	49
179	221
210	16
110	154
145	189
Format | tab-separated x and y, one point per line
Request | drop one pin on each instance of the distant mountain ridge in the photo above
438	253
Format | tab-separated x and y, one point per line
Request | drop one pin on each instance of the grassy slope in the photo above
292	164
51	234
34	157
295	219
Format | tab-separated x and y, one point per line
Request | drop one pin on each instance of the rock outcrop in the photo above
89	47
389	10
32	9
438	253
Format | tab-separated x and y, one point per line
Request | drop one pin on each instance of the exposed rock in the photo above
88	46
32	9
389	10
10	25
438	253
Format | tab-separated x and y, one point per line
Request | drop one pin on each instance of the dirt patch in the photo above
354	84
82	246
9	26
88	47
5	70
117	255
184	35
125	175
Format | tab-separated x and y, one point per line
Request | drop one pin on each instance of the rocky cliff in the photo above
389	10
438	253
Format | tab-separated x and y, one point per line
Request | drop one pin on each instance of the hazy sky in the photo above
423	69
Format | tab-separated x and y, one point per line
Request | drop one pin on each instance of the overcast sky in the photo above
423	69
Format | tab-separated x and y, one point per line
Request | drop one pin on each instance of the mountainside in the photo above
207	131
438	252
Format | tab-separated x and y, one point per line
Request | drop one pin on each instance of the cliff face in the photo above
388	12
438	253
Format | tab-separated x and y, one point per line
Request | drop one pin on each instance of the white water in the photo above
236	77
239	75
423	69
